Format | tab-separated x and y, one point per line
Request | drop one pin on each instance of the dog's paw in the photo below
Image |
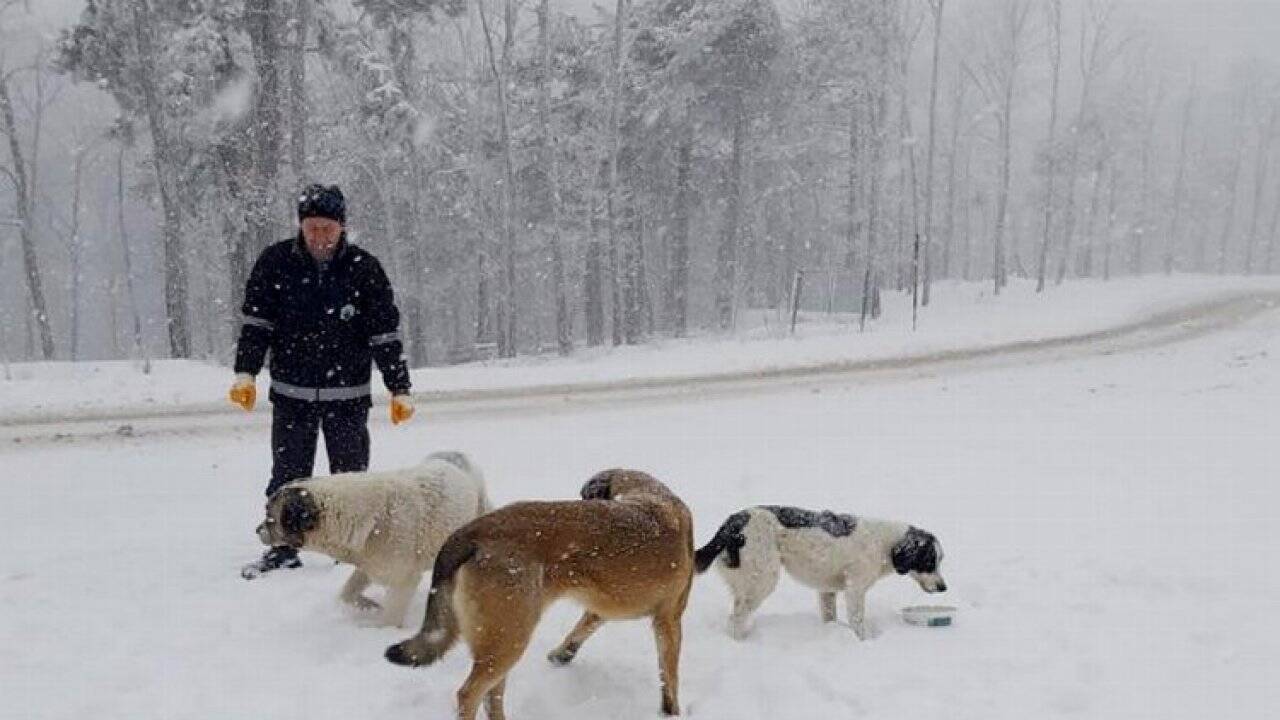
864	632
364	604
399	655
562	656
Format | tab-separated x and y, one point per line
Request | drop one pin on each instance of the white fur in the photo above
816	559
390	525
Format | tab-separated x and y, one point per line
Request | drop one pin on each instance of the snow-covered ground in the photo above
962	316
1109	524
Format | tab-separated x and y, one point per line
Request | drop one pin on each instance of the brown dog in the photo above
624	551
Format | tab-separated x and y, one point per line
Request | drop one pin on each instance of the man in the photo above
325	310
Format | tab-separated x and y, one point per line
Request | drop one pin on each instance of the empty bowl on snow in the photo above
929	615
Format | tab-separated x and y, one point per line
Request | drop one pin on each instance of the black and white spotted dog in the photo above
828	552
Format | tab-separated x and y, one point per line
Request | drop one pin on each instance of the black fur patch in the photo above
834	525
599	487
917	551
299	513
728	540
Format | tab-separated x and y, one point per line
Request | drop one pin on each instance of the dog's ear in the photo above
915	551
298	512
599	487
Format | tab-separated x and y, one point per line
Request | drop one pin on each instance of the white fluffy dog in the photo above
828	552
390	525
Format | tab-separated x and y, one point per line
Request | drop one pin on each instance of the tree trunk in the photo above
1095	207
24	204
482	297
998	271
1266	133
956	112
967	204
175	271
139	350
77	249
854	177
263	23
551	169
870	277
726	277
298	107
1144	197
500	68
1055	68
1271	237
1179	185
1228	221
615	148
402	58
680	238
633	290
593	282
1113	204
937	6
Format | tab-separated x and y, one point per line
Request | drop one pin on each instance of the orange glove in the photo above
401	409
244	392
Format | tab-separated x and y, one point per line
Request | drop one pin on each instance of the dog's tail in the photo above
728	540
483	504
440	625
458	459
463	462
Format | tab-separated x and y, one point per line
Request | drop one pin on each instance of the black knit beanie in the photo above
324	201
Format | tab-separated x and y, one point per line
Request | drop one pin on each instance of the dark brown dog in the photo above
624	551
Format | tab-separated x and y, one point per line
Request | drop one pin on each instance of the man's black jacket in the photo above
323	323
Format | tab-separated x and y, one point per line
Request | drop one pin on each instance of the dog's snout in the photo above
940	587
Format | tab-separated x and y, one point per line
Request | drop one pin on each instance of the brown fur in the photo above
625	551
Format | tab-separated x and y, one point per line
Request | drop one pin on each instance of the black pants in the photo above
295	427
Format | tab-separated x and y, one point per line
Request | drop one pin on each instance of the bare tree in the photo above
81	154
1054	12
175	271
1099	48
680	235
1180	180
21	175
551	170
262	18
612	200
1267	118
124	135
1233	181
499	65
996	75
1095	209
299	24
937	7
1142	224
877	101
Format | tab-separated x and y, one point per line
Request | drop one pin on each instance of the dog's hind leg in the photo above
667	635
498	611
496	645
493	701
827	606
396	603
755	577
587	626
750	586
353	591
855	597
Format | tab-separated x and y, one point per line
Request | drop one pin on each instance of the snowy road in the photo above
1108	510
1182	323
